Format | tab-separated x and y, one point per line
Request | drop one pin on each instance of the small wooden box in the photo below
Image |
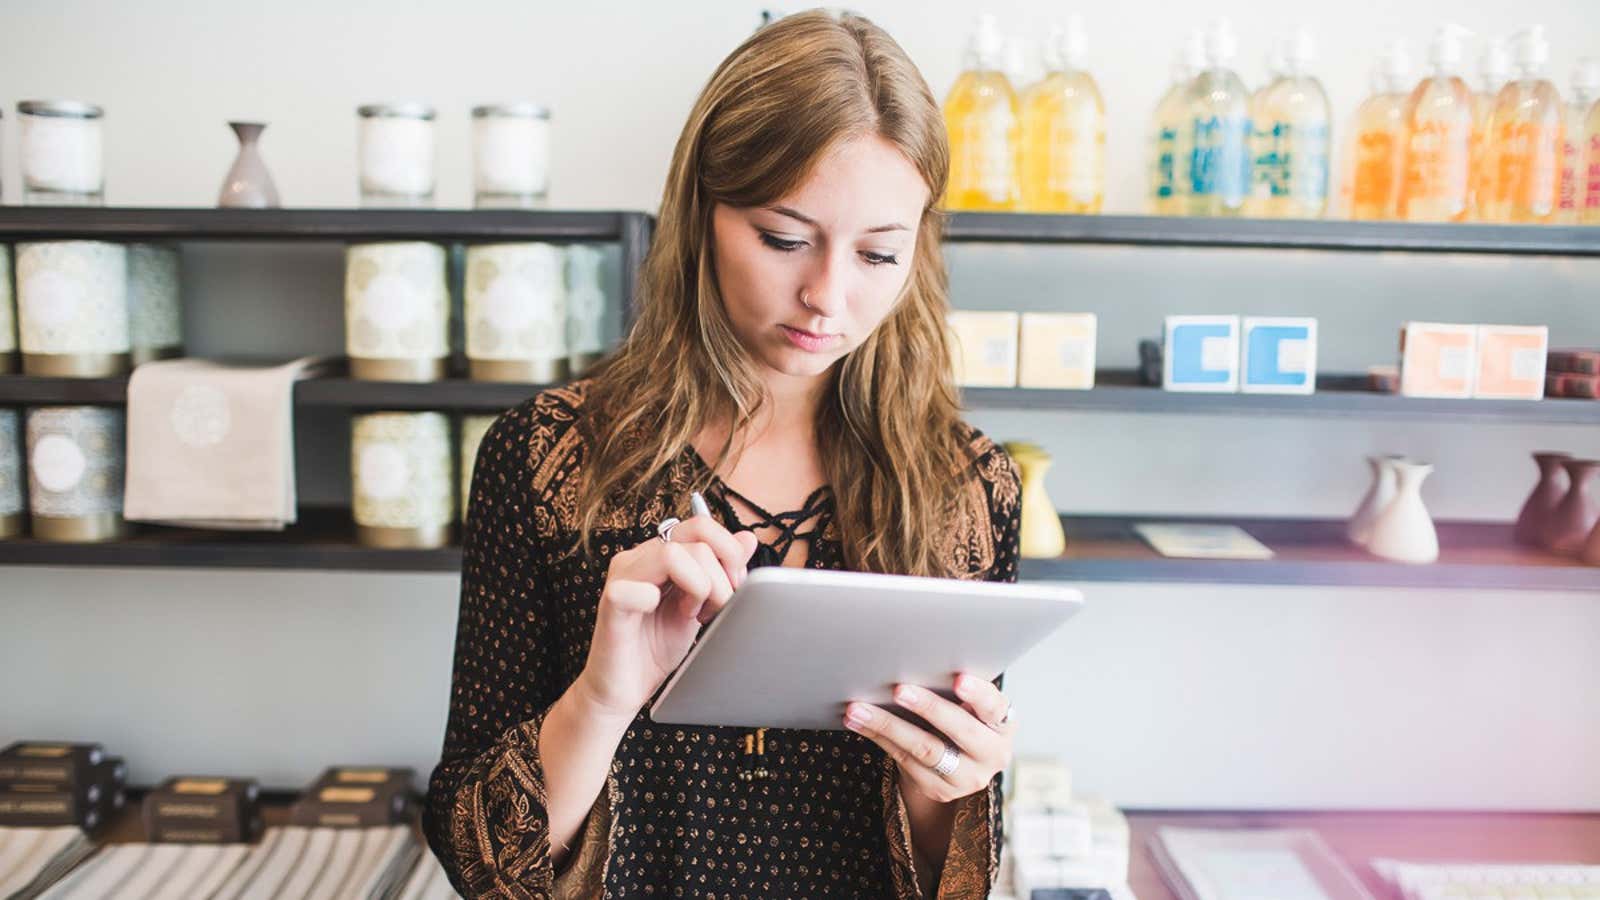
984	348
1511	362
1438	359
1058	350
1201	354
1280	356
196	809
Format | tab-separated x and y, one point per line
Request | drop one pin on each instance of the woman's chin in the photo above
797	363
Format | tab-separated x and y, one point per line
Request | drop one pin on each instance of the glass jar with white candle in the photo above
62	155
510	154
396	147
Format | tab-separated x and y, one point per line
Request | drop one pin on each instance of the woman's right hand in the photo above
656	596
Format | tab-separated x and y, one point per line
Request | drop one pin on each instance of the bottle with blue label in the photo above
1219	117
1169	133
1292	138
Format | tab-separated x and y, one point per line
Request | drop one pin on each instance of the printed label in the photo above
384	471
1293	355
391	302
50	299
58	463
1216	353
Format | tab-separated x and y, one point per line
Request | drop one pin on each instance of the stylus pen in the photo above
698	504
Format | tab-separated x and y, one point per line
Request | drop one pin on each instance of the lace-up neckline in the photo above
818	506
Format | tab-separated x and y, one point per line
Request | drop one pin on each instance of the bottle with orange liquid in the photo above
1494	68
1574	149
1377	141
1525	138
1435	180
980	115
1063	153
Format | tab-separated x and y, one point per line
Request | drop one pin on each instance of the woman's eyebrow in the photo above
801	217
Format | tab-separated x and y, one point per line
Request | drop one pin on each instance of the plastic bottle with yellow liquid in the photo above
1574	142
1435	184
980	115
1169	153
1525	138
1494	68
1063	154
1291	124
1219	116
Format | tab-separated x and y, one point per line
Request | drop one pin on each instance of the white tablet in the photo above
794	645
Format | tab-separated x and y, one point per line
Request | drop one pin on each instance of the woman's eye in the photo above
778	243
880	259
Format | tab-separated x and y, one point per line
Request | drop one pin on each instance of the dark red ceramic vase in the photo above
1546	496
1573	519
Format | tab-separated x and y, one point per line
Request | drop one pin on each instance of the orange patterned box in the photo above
1438	359
1511	362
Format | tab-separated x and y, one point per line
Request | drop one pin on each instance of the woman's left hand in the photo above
985	747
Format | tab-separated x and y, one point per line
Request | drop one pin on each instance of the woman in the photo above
790	354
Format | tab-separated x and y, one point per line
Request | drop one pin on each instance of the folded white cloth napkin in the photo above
211	445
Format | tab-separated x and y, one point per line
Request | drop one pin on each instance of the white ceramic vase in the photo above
1379	495
1404	531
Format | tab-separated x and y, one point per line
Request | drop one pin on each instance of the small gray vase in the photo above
248	184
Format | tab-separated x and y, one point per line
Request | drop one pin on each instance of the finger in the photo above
730	552
721	589
634	597
983	699
905	742
955	723
687	575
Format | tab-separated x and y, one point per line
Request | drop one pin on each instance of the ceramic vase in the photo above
248	184
1379	495
1042	537
1591	547
1404	531
1569	525
1541	504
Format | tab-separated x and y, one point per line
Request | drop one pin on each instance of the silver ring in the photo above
664	528
948	760
1003	719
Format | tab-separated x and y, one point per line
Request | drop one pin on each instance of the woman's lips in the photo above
808	341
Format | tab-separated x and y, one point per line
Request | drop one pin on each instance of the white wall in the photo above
1163	695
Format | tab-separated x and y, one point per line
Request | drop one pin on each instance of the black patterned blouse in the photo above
686	811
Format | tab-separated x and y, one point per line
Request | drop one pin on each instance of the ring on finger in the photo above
948	760
664	528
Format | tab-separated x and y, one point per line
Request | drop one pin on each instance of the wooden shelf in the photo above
1311	552
210	224
1295	234
1359	837
1338	396
1099	549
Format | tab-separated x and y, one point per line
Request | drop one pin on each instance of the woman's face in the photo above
806	279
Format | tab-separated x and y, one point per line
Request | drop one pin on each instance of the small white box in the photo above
1438	359
1058	350
1280	355
984	348
1511	362
1201	354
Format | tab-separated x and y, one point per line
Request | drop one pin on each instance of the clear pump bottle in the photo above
980	115
1436	181
1064	130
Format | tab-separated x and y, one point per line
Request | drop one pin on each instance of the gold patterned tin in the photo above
586	308
8	315
473	428
72	308
11	474
516	312
401	478
75	472
155	309
397	311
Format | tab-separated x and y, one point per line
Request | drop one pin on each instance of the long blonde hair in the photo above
889	428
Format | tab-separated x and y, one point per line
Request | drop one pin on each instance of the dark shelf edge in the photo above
1300	234
291	224
1117	392
187	549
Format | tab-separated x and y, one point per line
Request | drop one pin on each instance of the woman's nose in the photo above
825	290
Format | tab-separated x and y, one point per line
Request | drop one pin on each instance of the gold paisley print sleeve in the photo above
985	547
485	816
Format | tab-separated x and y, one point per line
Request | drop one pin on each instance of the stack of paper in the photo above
1427	881
1057	840
292	861
33	859
428	881
1252	864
